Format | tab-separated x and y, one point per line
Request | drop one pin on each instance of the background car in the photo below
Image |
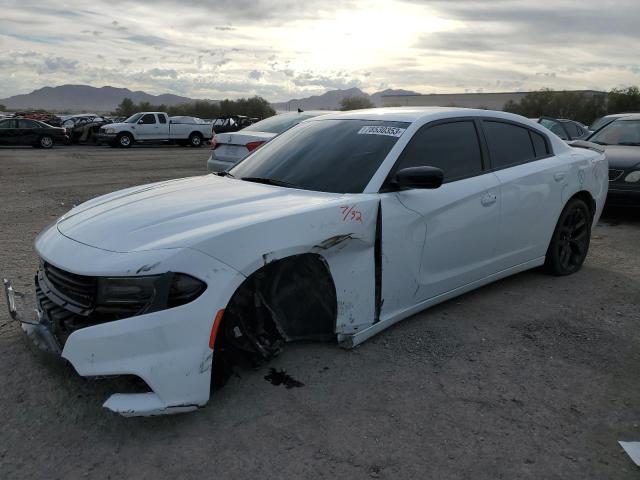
621	141
231	123
229	148
606	120
84	128
24	131
564	128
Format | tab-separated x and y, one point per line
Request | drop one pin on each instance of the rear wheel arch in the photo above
587	198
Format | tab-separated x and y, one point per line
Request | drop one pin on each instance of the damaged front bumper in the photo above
23	309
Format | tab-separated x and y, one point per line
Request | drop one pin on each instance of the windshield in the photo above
278	123
338	156
602	121
133	118
620	132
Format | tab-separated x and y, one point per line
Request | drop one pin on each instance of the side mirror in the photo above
140	122
419	177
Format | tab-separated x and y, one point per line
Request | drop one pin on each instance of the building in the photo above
491	101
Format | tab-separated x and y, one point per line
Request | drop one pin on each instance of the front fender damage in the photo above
327	290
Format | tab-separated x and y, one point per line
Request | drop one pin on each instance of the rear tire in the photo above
124	140
570	241
45	141
195	140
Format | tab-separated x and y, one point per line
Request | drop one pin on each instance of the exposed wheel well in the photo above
290	299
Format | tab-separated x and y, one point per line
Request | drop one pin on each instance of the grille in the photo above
78	290
615	174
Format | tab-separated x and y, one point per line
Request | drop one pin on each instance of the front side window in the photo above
133	118
337	156
452	147
620	132
148	119
8	124
508	144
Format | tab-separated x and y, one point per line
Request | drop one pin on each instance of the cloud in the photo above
162	72
292	48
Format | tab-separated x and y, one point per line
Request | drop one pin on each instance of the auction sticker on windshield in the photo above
376	130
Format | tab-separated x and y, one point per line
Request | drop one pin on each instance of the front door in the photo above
452	230
147	127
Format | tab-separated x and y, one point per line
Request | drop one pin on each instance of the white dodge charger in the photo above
337	229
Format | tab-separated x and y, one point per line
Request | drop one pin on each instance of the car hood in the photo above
180	213
622	156
117	125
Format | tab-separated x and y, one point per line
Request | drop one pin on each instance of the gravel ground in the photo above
530	377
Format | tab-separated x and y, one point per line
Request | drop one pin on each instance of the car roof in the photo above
412	114
628	116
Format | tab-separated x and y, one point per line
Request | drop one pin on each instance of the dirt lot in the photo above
531	377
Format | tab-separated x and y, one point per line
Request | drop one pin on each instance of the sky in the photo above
283	49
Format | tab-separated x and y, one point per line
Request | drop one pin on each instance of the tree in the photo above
254	107
622	100
126	108
355	103
578	106
3	108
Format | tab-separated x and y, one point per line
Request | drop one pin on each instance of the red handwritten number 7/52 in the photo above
351	213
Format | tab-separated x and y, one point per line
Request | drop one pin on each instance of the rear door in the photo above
531	183
28	131
452	232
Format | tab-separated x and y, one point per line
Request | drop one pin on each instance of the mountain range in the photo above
331	99
84	98
79	98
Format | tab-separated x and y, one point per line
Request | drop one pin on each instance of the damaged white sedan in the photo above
336	229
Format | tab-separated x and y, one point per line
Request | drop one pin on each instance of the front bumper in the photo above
106	137
168	349
623	198
25	310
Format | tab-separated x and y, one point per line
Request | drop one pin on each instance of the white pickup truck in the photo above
154	127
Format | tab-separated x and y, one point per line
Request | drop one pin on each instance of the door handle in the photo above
489	199
559	176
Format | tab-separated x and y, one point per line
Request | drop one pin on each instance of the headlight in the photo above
150	293
633	177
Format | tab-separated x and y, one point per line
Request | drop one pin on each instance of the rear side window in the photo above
453	147
162	119
573	130
508	144
27	124
147	119
539	144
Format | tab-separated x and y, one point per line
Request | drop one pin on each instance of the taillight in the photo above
251	146
214	143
